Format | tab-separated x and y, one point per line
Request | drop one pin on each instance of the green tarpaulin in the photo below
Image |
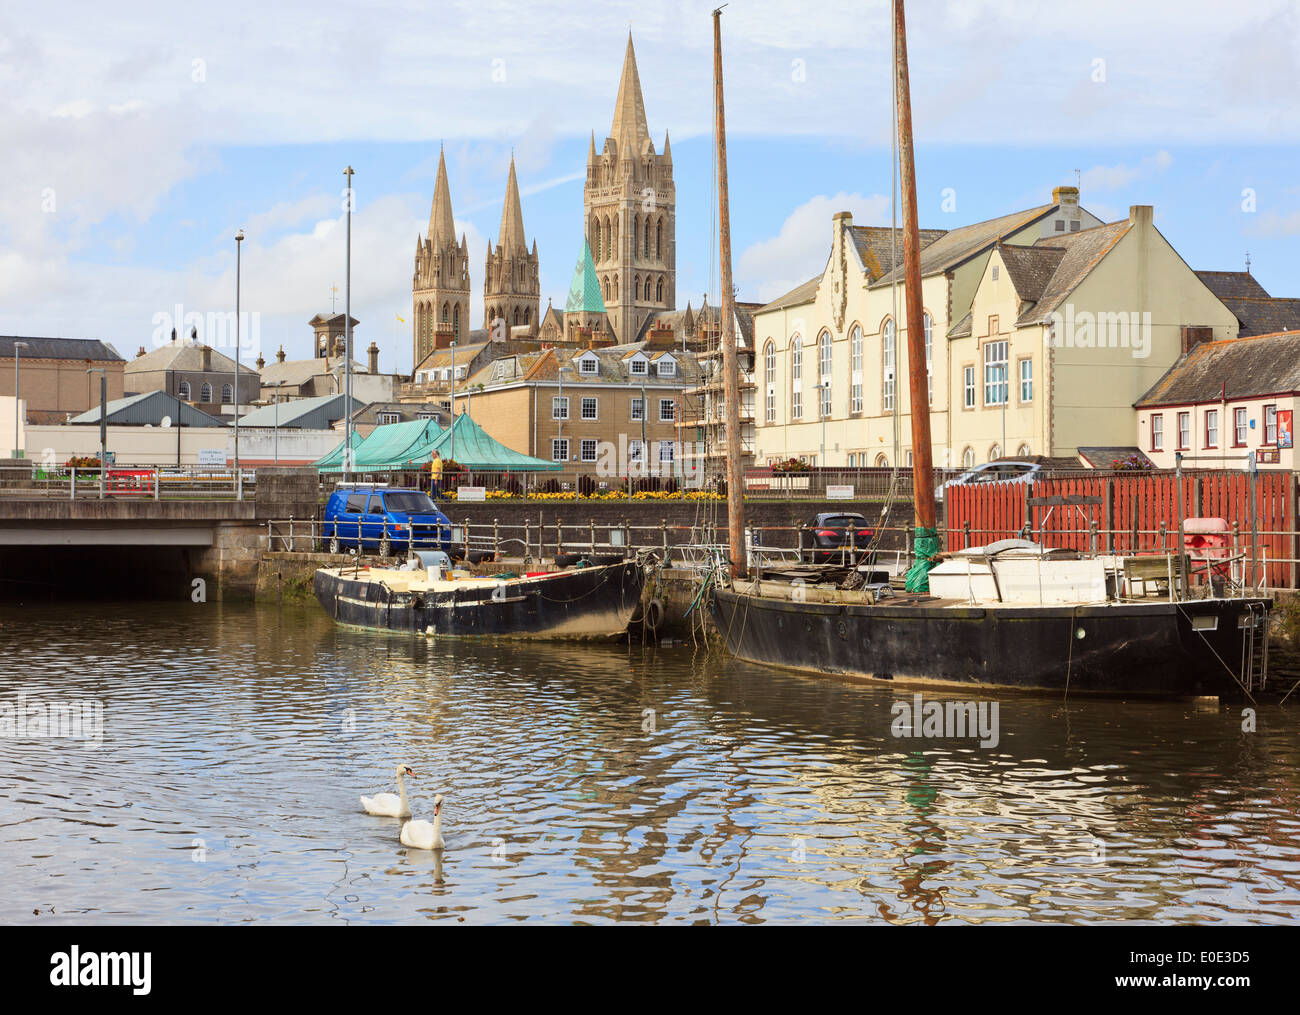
398	446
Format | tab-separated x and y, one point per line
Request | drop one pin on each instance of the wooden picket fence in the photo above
1129	513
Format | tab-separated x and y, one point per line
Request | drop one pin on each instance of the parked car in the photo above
825	539
994	472
383	519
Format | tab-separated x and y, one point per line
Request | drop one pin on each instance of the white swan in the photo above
390	805
421	834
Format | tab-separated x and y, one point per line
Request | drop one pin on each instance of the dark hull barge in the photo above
1189	648
584	602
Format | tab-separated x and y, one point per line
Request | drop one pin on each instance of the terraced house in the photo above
601	411
1042	328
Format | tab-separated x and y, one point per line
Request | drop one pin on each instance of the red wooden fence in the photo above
1132	508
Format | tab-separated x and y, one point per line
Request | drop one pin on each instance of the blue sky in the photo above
139	145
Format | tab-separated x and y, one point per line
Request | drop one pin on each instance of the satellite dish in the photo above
165	422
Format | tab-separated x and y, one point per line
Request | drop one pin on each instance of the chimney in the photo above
261	362
1141	214
141	352
279	356
207	357
660	336
1193	336
442	335
372	359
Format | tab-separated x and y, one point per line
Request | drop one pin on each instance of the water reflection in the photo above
600	784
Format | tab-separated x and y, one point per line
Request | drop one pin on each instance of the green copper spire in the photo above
584	291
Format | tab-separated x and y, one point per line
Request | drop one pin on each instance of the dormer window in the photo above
667	367
638	366
587	365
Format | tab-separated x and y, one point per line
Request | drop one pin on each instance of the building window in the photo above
587	365
769	365
667	410
589	408
908	459
855	370
638	366
183	393
1240	426
882	462
665	451
1270	424
968	455
205	393
824	361
560	407
929	357
389	417
968	388
1157	433
588	450
1059	225
796	377
887	367
638	409
667	368
995	452
1184	431
1026	380
560	449
634	451
995	373
1211	428
1023	451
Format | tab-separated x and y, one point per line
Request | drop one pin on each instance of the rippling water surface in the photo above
598	784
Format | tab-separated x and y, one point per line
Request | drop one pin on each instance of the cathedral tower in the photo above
440	286
511	284
629	203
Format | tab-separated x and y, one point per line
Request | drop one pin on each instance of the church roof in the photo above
584	291
629	127
510	240
442	227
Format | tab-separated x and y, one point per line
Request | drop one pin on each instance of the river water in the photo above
596	784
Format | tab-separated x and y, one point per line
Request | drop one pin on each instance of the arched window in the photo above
882	462
455	320
968	458
183	392
659	291
635	225
909	459
824	371
929	357
647	288
446	312
796	377
608	291
527	314
855	369
769	380
516	315
205	393
995	452
659	239
887	366
227	394
1023	451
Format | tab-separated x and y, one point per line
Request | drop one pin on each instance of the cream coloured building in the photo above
1043	327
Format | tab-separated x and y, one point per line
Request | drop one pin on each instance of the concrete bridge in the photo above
56	546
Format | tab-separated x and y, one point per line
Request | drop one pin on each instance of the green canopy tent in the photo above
388	448
335	457
474	448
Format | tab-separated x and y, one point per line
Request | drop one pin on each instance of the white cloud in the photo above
774	266
1118	177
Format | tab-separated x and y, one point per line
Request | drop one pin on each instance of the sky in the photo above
138	140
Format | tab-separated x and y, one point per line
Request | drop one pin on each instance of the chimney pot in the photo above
372	355
279	356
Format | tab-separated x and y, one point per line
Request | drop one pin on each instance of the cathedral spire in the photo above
442	228
510	240
629	128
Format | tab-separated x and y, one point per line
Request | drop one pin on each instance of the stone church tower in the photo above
511	283
440	286
630	203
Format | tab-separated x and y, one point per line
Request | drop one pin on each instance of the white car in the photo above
994	472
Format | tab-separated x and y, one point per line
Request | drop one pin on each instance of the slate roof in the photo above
1030	269
805	293
881	254
1082	252
1232	284
59	348
149	408
1251	367
297	372
301	413
957	245
185	354
1264	315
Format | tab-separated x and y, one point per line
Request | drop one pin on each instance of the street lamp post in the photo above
347	340
821	411
1006	396
453	401
18	448
239	474
103	425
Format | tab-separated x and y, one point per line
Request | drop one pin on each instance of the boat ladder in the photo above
1254	648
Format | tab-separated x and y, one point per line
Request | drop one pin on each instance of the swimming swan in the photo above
421	834
389	805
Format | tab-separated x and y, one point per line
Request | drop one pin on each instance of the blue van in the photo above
384	519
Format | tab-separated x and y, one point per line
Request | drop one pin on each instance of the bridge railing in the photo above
166	482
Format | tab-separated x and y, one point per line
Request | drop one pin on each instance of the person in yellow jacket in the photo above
435	475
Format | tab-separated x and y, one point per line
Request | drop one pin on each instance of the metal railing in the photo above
167	482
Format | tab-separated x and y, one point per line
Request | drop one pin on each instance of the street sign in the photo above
471	493
212	456
839	493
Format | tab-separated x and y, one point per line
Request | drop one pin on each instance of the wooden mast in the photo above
918	385
727	308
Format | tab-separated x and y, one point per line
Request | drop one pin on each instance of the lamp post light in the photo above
239	474
347	340
18	448
103	425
